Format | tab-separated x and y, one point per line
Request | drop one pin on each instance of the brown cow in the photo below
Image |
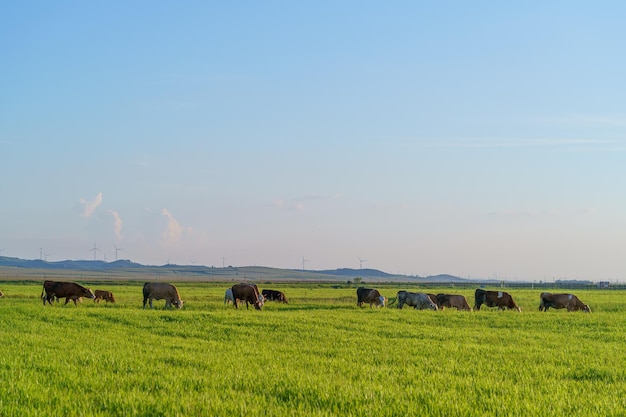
500	299
452	300
160	291
369	295
248	293
273	295
568	301
67	290
103	295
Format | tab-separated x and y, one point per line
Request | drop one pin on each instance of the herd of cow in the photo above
500	299
249	294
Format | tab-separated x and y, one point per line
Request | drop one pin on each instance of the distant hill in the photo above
125	269
349	272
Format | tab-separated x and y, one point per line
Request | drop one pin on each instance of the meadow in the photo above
319	355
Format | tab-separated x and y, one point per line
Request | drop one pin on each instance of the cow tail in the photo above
392	300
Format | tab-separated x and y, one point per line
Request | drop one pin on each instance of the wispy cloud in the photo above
117	224
540	213
521	143
88	207
174	231
291	205
298	203
587	120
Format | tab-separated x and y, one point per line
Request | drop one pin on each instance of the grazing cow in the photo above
434	299
500	299
248	293
371	296
451	300
67	290
418	300
568	301
160	291
273	295
228	296
103	295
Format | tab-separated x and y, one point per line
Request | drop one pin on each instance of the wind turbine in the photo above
94	250
361	262
303	261
223	261
116	250
45	256
1	250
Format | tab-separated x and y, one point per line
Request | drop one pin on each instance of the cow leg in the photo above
150	302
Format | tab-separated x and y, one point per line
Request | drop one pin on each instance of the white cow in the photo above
419	300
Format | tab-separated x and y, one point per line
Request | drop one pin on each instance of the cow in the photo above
452	300
67	290
228	296
273	295
434	299
103	295
248	293
568	301
160	291
371	296
500	299
418	300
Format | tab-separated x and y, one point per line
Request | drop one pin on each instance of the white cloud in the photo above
174	231
88	207
117	222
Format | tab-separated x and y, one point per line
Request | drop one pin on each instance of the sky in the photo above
479	139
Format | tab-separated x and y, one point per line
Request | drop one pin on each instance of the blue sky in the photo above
479	139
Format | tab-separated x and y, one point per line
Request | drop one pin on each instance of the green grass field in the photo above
319	355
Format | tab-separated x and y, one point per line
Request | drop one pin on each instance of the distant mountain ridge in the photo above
248	272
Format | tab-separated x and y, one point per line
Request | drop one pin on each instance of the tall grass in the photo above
318	355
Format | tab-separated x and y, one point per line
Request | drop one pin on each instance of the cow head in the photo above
586	308
260	299
178	303
382	301
89	293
